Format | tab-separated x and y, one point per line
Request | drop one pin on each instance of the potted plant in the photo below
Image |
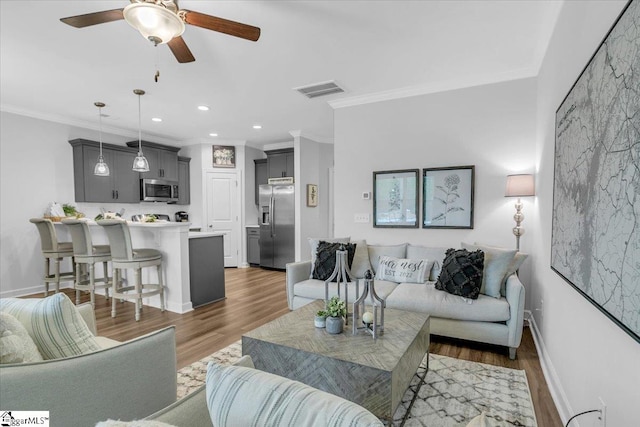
336	311
321	317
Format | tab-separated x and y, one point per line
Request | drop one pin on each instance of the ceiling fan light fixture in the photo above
156	23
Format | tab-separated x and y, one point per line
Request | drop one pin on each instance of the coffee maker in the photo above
182	216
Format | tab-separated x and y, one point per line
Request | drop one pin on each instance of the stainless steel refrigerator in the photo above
277	225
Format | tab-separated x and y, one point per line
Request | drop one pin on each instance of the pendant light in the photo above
140	164
101	169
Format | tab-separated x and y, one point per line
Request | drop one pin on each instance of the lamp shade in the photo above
520	186
155	23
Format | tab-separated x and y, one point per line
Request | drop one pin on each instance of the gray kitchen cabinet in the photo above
163	160
253	245
206	268
122	185
261	176
184	187
280	163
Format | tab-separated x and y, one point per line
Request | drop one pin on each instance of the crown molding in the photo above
303	134
435	87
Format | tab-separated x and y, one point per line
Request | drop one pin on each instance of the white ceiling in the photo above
373	49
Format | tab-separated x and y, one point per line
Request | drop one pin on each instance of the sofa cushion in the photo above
376	251
326	259
314	289
461	273
239	396
16	346
313	243
54	324
361	261
403	269
496	264
514	266
435	254
427	299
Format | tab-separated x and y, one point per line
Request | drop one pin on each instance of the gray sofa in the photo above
490	320
126	381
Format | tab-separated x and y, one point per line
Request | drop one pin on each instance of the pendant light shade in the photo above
101	168
140	164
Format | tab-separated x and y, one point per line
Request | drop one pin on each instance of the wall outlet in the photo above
363	217
603	413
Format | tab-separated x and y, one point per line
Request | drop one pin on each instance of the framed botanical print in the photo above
224	156
447	197
312	195
395	199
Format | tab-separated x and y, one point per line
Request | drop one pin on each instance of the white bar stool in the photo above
86	253
56	251
124	257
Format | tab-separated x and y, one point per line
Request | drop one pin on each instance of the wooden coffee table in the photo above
373	374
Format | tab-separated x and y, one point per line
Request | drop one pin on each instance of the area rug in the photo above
451	394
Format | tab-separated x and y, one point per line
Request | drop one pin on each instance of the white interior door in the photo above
222	212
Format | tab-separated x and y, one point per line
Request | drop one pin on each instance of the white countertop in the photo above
252	226
157	224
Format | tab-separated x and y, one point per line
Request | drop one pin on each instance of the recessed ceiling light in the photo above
203	108
257	126
156	119
213	134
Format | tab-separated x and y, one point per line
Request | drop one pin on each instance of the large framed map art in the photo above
595	237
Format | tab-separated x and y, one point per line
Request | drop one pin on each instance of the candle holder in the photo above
341	274
374	328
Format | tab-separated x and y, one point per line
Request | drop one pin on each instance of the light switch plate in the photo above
363	217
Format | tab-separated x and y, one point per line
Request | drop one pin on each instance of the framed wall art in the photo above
447	197
312	195
595	231
395	199
224	156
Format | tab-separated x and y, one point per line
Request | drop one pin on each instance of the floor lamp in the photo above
522	185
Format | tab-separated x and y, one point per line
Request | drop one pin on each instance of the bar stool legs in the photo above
56	277
139	289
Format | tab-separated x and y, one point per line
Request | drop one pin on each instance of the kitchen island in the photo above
170	238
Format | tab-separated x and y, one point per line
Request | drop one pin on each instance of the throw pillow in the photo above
314	242
54	324
513	267
435	254
496	264
403	270
275	401
461	273
360	259
16	346
326	258
376	251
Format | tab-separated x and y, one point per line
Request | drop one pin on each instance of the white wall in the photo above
313	162
491	127
589	355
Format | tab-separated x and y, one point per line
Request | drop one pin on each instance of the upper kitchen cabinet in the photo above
163	160
122	185
261	176
184	188
280	163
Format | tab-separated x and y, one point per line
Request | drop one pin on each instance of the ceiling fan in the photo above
161	21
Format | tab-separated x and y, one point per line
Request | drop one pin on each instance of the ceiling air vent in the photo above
319	89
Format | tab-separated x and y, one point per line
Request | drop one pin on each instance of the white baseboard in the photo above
32	290
553	382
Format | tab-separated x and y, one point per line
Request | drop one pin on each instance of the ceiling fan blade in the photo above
81	21
221	25
180	50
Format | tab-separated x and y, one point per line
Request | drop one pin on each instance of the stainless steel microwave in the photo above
158	190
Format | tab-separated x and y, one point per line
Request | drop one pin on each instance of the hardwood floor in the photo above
256	296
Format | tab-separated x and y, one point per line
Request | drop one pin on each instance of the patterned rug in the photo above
452	393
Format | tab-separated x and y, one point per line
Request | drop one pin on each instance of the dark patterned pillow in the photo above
461	273
326	258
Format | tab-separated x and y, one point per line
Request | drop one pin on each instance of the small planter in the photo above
319	321
334	325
